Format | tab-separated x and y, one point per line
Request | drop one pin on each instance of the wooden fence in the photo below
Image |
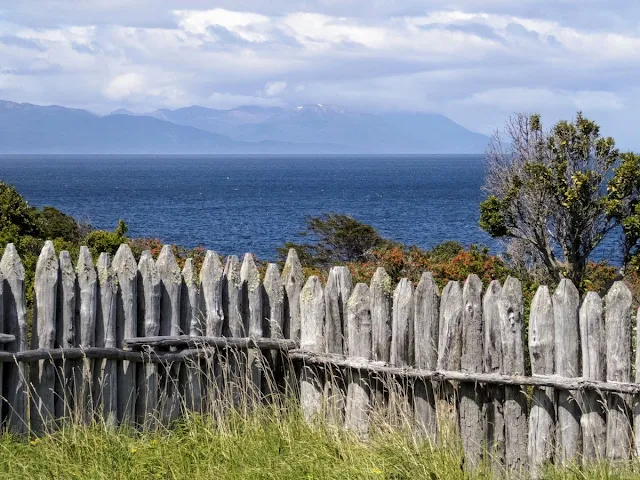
127	341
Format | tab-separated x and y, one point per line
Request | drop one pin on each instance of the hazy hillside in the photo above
383	133
26	128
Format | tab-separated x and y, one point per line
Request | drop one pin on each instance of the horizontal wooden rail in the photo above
557	382
6	338
30	356
220	342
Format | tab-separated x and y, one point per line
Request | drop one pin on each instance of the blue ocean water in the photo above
237	204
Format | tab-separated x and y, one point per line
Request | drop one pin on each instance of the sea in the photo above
247	203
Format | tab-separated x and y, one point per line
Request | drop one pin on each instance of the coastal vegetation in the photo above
555	195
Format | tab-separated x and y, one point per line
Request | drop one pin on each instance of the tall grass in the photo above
238	435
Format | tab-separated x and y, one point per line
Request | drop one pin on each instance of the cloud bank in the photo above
475	61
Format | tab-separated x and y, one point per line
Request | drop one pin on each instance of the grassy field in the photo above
267	444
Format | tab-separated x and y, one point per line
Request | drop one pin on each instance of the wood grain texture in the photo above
593	345
312	311
43	375
566	302
515	402
541	350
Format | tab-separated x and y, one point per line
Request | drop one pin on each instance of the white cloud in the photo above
475	60
241	23
124	85
533	99
273	89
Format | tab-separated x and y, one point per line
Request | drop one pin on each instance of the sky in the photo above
475	61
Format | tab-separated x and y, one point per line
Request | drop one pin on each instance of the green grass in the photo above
267	444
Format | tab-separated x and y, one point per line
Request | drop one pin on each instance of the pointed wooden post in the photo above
402	349
170	292
253	318
292	279
618	335
381	292
106	375
450	337
337	292
515	402
273	311
312	312
126	270
66	337
43	335
87	282
566	302
149	295
211	293
358	312
191	323
336	296
494	401
592	336
232	298
471	403
236	371
15	321
426	331
542	425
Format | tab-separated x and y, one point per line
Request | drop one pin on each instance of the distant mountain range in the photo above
26	128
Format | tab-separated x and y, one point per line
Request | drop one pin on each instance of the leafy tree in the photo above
336	239
552	191
55	224
17	217
623	205
100	241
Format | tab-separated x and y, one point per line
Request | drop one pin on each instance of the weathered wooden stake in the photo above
106	376
87	282
273	312
592	334
149	295
381	293
66	370
234	326
125	270
170	292
191	323
292	279
426	331
232	298
336	294
43	336
494	402
541	349
515	402
312	312
471	403
15	321
566	302
253	318
450	335
402	347
358	311
211	293
618	335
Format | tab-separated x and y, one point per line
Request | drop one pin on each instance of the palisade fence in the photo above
143	343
